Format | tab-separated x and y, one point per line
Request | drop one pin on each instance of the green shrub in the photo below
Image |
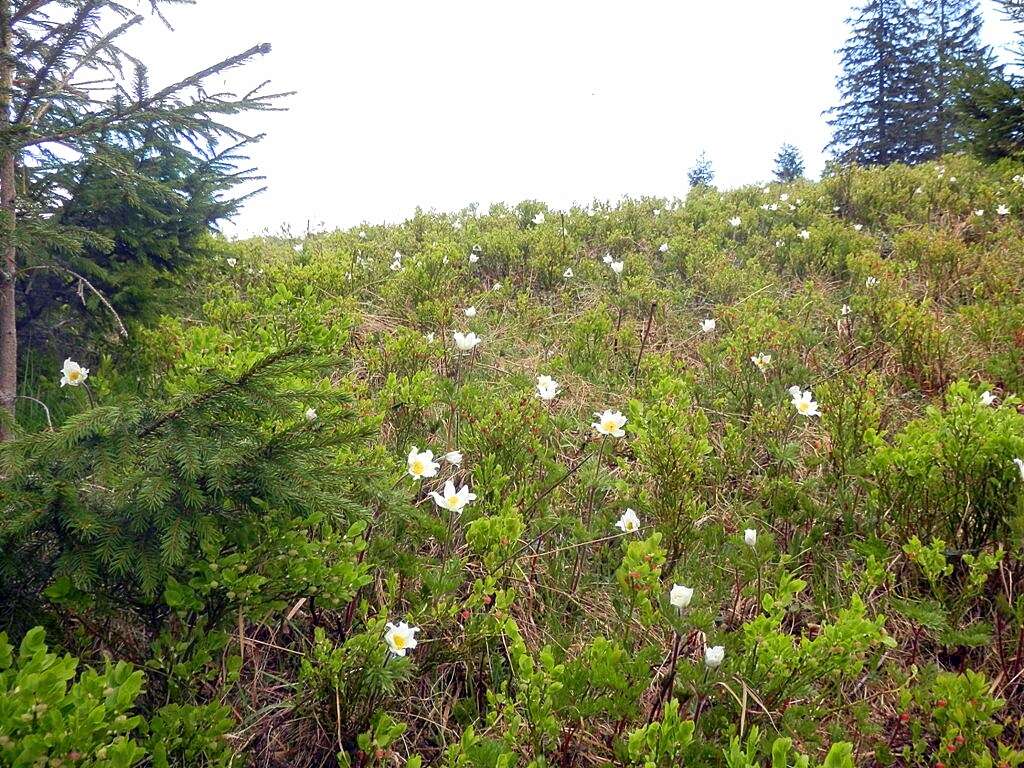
52	714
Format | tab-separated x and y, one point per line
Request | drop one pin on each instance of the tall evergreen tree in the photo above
883	87
953	29
95	166
789	165
702	174
990	108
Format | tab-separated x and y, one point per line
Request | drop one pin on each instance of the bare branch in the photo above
82	281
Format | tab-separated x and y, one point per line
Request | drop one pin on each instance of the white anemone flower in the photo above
470	311
311	414
979	212
547	388
803	234
735	221
454	458
1020	466
987	398
762	361
421	465
846	310
858	227
663	248
72	374
232	262
466	341
629	522
805	404
568	273
680	596
713	656
784	197
362	235
610	424
750	537
617	267
451	499
773	207
400	637
1003	210
708	324
871	282
473	258
607	258
538	219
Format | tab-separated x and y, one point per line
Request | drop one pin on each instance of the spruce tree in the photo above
990	108
702	174
126	497
789	165
883	87
78	120
953	29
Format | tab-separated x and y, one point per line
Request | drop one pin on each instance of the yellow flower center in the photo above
452	502
398	641
609	425
417	467
73	375
804	406
630	525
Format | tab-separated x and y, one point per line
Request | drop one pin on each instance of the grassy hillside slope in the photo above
876	612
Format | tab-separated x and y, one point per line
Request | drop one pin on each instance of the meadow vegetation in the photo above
766	508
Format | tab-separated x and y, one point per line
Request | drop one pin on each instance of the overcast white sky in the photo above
442	103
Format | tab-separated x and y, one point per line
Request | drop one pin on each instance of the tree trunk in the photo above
8	265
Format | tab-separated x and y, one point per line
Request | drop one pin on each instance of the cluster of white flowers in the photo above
610	424
465	342
680	597
547	388
400	637
421	464
72	374
762	361
452	500
804	402
629	522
